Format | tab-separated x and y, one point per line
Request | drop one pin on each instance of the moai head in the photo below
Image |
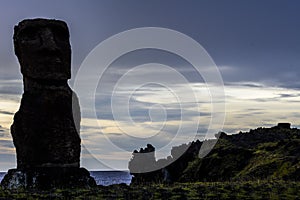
43	49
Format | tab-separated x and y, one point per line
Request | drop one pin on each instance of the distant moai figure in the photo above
46	128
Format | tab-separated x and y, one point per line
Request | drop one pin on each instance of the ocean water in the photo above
2	174
104	177
111	177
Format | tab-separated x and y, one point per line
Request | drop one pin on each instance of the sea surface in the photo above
104	177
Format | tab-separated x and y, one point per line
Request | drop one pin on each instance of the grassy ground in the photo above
200	190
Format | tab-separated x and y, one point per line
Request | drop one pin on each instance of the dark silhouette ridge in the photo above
46	128
263	153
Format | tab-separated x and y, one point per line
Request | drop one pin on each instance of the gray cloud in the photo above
243	84
6	112
3	131
295	114
289	95
11	87
6	143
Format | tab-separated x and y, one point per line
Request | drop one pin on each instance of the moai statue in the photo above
46	128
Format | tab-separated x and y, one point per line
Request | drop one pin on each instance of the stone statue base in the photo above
48	178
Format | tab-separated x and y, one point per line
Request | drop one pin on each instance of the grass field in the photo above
199	190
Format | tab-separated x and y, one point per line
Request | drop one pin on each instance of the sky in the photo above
255	46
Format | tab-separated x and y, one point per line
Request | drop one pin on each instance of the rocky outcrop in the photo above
45	130
48	178
143	164
262	153
163	170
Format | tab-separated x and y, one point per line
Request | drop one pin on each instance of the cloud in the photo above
244	84
11	86
244	111
6	143
4	133
6	112
248	105
283	95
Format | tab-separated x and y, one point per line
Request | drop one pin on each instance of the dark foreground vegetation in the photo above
199	190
